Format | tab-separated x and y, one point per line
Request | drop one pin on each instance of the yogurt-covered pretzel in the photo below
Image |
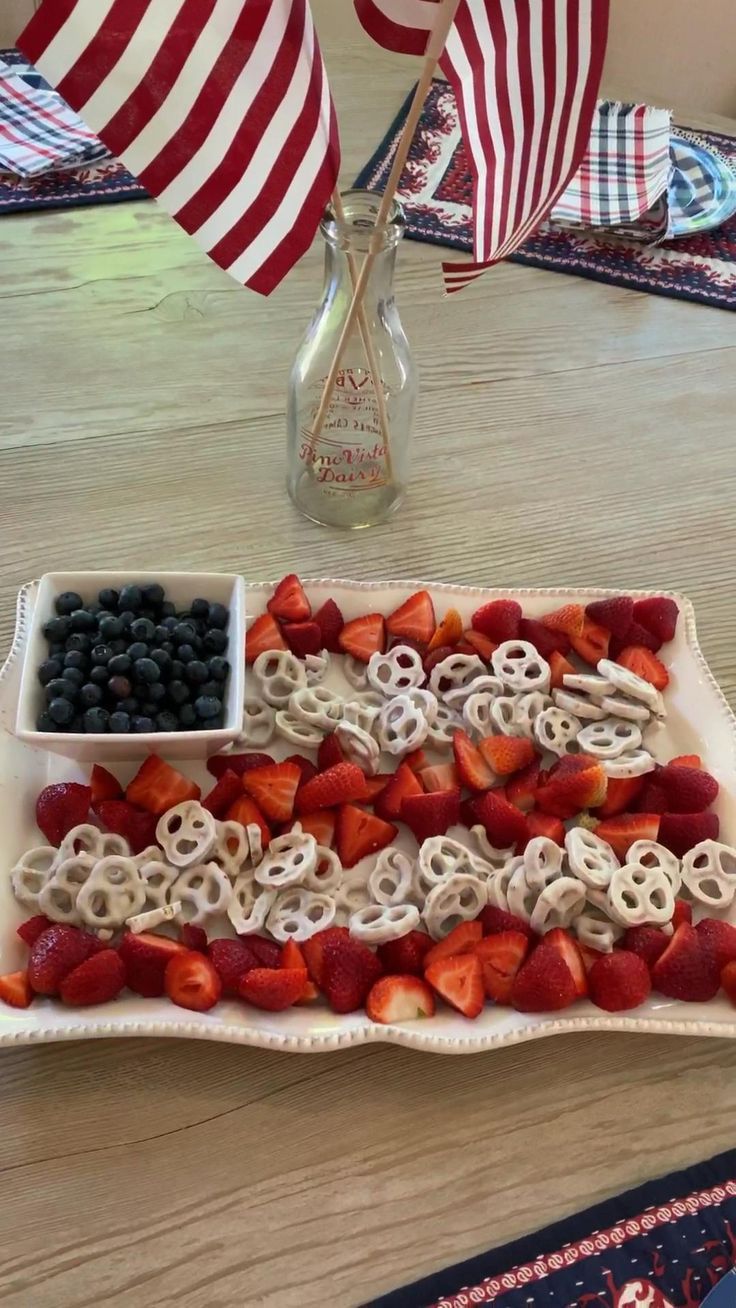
591	859
610	738
396	672
588	683
526	711
113	892
377	923
84	839
441	731
441	857
158	877
288	860
59	895
477	713
151	854
297	731
401	727
255	842
557	731
316	705
651	854
558	905
279	673
497	885
496	857
456	900
520	896
455	672
186	833
392	879
154	917
425	703
356	672
520	666
316	667
457	698
351	895
570	702
359	747
709	873
617	706
299	914
504	717
259	722
634	763
628	683
31	872
596	931
640	896
231	850
249	905
542	862
360	713
327	875
205	891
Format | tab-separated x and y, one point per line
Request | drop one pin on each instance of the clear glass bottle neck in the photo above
353	234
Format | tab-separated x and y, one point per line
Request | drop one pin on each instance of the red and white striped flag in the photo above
525	75
221	109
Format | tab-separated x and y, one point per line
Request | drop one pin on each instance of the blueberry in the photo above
169	648
90	695
140	724
74	676
146	669
120	722
57	629
61	711
79	643
176	671
207	707
75	659
215	641
128	705
196	672
160	634
100	675
142	629
83	620
170	622
131	597
186	653
162	660
184	633
120	664
57	649
126	617
45	722
153	594
68	602
48	670
110	628
156	692
138	650
178	692
218	616
119	646
101	654
149	709
167	721
200	626
108	597
187	716
77	723
120	687
95	610
215	688
200	608
101	613
218	668
59	688
96	719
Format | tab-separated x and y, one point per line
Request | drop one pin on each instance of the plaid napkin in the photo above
624	174
38	131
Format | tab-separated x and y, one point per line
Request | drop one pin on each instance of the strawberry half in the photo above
247	813
443	776
621	794
646	941
559	667
305	766
313	950
657	614
687	790
483	645
592	642
686	761
364	636
194	937
431	815
728	981
499	620
399	999
232	960
262	636
680	831
321	825
330	621
103	785
414	618
55	954
448	632
223	794
521	788
288	602
622	831
576	782
273	988
501	955
146	957
341	784
569	951
274	789
61	807
135	824
97	980
157	787
544	983
543	824
645	664
614	614
219	764
472	767
303	638
192	982
32	928
619	981
406	955
329	753
685	969
569	619
546	641
461	940
506	754
349	969
505	824
459	980
15	989
403	783
358	834
495	920
718	939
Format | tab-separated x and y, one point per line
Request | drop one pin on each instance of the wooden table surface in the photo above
568	432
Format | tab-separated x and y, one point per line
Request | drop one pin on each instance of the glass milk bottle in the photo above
348	451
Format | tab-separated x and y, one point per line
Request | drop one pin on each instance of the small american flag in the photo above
221	109
525	75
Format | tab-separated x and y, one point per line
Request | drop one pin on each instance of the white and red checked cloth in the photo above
625	171
39	133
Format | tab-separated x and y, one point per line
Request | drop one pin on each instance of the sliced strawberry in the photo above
61	807
405	643
137	826
406	955
232	960
614	614
321	825
414	618
313	951
461	940
443	776
569	619
223	794
472	768
219	764
685	969
494	920
521	788
157	787
103	785
288	602
375	786
146	957
576	782
592	642
305	766
680	831
560	667
15	989
341	784
97	980
247	813
464	647
266	951
274	789
358	834
499	620
32	928
619	981
364	636
399	999
622	831
646	941
636	635
645	664
191	981
448	632
543	824
417	760
303	638
686	761
262	636
330	621
431	815
728	981
483	646
683	913
501	955
273	989
506	754
657	614
193	937
459	980
349	970
567	947
546	641
687	790
436	656
505	824
718	939
329	752
621	795
544	983
292	958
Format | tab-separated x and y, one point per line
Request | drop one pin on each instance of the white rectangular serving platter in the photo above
699	721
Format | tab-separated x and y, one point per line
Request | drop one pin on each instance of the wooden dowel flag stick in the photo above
435	45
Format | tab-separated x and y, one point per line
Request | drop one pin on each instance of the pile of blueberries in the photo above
133	662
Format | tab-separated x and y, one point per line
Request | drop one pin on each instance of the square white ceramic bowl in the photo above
181	588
